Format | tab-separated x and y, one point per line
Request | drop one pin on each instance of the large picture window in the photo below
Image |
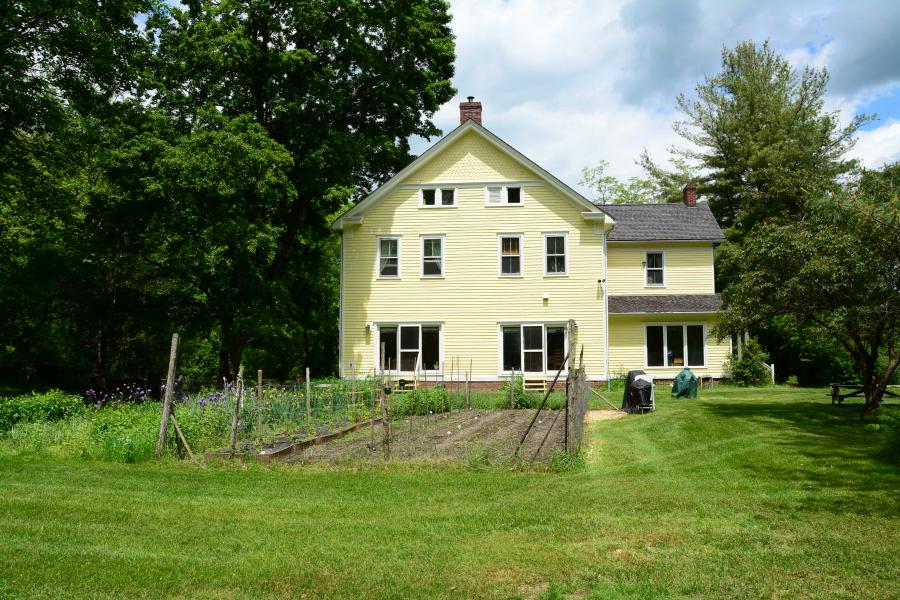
676	345
408	348
533	348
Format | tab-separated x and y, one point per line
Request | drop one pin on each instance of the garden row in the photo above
123	424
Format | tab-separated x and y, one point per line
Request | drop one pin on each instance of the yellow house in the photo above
473	258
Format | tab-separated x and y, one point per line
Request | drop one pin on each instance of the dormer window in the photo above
502	195
437	197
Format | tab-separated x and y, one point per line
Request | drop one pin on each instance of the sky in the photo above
572	82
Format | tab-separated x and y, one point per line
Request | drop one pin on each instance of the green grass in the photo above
739	494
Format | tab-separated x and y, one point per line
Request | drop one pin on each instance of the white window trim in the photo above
521	325
389	324
565	236
647	267
432	236
500	272
684	325
437	197
504	198
378	256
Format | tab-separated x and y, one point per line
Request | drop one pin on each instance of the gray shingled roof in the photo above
662	222
671	303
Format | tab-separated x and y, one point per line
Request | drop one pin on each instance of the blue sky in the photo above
573	82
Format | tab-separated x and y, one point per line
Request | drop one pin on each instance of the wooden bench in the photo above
856	391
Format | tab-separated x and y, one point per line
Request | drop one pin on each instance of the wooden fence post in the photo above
308	396
512	385
386	437
237	407
167	401
259	404
468	392
570	388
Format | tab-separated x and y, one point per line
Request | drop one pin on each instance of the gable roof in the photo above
354	214
663	223
670	303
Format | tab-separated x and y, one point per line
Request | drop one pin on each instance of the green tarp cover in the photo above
685	385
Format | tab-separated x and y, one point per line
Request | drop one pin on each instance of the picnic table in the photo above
856	390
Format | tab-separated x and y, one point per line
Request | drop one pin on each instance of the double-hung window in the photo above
510	254
389	257
554	254
410	348
676	345
532	348
654	266
438	197
499	195
432	256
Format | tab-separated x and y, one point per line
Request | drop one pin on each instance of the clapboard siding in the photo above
688	269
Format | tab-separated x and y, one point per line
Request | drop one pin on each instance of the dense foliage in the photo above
182	176
832	274
749	369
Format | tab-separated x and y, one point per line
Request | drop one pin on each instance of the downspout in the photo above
605	307
341	315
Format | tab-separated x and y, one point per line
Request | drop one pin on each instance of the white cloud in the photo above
572	82
878	146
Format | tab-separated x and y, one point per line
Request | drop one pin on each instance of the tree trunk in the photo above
230	351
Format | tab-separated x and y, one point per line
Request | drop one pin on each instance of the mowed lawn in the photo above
740	494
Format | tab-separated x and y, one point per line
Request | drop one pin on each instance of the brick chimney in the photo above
470	110
689	195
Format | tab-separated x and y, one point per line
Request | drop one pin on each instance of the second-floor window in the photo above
555	254
432	255
437	197
653	264
510	255
389	257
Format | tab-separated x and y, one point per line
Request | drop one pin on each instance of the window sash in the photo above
389	257
437	197
655	268
432	256
676	345
555	247
502	195
411	346
510	255
532	348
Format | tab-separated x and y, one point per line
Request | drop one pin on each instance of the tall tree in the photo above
340	85
833	274
762	136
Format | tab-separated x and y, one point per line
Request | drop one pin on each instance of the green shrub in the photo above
750	369
422	401
520	398
34	408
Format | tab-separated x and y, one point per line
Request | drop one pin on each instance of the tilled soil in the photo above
476	435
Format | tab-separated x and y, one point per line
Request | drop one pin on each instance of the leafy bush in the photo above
750	369
422	401
34	408
520	398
